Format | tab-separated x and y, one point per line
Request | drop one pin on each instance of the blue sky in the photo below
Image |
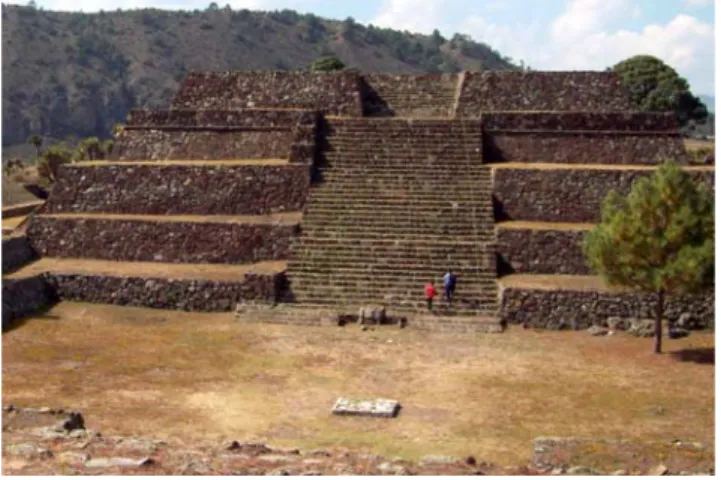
545	34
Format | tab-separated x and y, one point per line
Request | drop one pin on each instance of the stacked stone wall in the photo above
564	195
160	241
24	296
581	309
332	93
583	148
231	119
218	135
541	91
581	137
616	122
541	251
179	189
164	293
16	252
154	144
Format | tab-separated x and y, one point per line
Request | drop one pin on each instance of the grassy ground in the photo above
192	376
202	271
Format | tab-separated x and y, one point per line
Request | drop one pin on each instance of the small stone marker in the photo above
367	408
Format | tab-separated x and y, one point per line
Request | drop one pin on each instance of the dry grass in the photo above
693	144
11	223
187	163
523	225
205	376
286	218
200	271
555	282
589	166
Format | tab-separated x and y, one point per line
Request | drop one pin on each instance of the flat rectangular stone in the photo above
368	408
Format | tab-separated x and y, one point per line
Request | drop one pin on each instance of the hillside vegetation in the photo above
77	74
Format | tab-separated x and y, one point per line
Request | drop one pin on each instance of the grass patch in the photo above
205	376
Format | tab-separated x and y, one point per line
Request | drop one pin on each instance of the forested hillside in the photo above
77	74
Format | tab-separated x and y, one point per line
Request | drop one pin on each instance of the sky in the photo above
545	34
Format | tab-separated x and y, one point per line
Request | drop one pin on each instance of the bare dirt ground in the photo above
693	144
201	271
204	377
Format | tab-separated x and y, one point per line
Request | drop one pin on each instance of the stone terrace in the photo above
256	167
197	211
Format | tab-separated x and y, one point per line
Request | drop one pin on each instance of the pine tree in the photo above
659	239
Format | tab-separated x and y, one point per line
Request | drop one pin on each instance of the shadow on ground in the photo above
705	356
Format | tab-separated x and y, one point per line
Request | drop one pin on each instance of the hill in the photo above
709	101
78	74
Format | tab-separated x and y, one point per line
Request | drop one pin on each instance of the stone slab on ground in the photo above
366	408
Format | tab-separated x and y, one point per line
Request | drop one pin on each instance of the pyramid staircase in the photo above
420	96
399	202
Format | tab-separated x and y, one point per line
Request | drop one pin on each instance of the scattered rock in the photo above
618	323
75	421
279	473
687	321
28	450
274	458
372	315
658	470
677	332
73	458
106	462
558	471
249	448
580	470
194	468
597	331
442	459
642	328
319	453
373	408
311	473
619	472
470	460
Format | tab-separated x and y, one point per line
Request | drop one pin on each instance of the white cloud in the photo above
413	15
582	38
582	17
698	3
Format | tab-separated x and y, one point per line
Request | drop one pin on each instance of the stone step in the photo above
364	201
461	306
364	233
385	247
300	283
296	266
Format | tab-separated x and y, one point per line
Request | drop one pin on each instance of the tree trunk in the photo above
659	320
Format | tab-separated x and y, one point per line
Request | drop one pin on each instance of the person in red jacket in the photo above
430	294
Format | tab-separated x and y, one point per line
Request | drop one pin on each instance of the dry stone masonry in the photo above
491	174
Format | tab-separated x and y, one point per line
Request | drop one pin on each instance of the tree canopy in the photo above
659	239
656	87
327	64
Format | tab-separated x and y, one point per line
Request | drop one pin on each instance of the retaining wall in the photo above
330	93
580	309
541	91
541	251
178	189
161	241
563	195
22	297
153	144
586	148
16	252
236	119
173	294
